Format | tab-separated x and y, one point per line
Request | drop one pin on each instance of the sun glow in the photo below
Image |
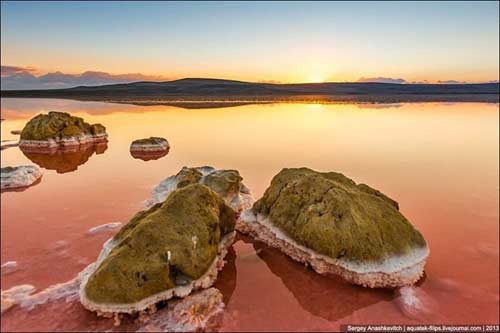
315	78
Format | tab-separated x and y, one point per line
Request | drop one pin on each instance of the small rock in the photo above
19	176
9	267
151	148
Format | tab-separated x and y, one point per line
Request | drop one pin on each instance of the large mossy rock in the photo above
224	182
332	215
59	125
170	242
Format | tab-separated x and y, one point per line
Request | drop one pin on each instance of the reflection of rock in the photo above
66	160
60	129
171	249
226	282
19	177
227	183
199	312
9	145
332	299
338	227
148	155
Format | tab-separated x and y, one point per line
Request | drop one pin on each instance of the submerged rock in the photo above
8	267
60	129
416	304
227	183
12	178
338	227
169	250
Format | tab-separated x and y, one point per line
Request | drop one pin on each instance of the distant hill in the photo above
215	89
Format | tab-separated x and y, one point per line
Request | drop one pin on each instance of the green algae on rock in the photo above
60	129
169	250
227	183
325	214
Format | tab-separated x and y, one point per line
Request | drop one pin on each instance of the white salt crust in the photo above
21	176
394	271
205	281
238	202
22	295
104	227
8	267
64	142
158	147
199	312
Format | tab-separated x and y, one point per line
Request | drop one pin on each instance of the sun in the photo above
315	78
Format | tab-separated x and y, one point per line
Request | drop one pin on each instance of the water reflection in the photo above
226	280
148	155
21	189
328	297
66	160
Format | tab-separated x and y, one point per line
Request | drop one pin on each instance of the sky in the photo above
250	41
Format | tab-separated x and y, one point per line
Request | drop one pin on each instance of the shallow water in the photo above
440	161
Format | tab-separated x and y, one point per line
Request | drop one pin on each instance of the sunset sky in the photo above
255	41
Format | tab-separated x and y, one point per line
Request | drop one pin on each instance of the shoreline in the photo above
227	101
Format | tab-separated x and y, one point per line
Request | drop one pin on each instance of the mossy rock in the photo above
224	182
173	241
58	125
150	141
332	215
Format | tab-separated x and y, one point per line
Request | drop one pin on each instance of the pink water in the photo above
439	161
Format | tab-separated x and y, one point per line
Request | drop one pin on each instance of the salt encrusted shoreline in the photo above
239	202
199	312
63	142
204	282
19	177
392	272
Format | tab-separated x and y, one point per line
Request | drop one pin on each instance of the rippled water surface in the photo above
439	161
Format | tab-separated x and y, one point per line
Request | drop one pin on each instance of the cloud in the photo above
381	80
11	70
451	82
26	78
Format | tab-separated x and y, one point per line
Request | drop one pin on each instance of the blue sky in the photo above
256	41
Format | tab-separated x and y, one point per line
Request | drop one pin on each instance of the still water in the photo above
440	161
